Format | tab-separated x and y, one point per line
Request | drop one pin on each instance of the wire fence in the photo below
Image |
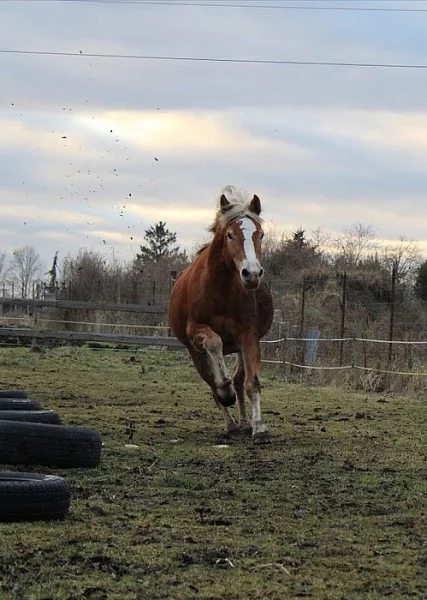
340	329
365	363
348	366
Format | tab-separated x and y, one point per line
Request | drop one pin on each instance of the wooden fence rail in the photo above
83	336
80	305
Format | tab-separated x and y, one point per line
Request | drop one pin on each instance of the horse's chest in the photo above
231	324
232	313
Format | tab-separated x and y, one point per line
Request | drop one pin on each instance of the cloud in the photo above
91	84
94	151
122	171
202	132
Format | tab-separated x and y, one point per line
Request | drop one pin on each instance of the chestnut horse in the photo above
221	305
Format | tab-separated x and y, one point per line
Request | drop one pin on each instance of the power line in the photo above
259	6
245	6
196	2
206	59
222	3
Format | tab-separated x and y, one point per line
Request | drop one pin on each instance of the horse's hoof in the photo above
232	429
239	429
262	437
245	428
227	396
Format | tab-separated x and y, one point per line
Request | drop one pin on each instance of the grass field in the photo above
335	508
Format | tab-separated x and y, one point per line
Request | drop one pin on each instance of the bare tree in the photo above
84	276
355	244
2	261
25	267
321	242
405	256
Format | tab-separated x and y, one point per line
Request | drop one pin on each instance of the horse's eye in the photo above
230	235
262	234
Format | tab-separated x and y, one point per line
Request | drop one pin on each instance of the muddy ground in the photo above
335	508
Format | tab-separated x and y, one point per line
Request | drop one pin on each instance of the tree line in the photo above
292	260
89	275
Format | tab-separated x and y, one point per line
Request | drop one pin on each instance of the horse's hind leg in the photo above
252	362
239	385
230	424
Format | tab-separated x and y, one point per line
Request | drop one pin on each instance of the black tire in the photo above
13	394
18	404
31	416
43	444
31	496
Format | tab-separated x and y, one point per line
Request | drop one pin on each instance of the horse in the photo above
221	305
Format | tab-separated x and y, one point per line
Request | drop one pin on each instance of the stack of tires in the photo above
30	435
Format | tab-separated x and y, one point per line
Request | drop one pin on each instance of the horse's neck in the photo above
215	259
219	278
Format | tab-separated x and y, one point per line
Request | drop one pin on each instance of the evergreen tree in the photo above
298	239
51	286
159	244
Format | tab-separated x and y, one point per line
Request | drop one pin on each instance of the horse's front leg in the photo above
252	361
205	341
202	363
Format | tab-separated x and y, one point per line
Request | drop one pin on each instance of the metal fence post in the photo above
172	279
392	313
343	309
302	322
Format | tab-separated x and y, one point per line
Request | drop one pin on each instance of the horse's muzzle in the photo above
251	279
251	285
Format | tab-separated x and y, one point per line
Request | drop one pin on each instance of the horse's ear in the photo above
224	204
255	205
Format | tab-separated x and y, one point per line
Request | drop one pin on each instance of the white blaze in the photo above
248	228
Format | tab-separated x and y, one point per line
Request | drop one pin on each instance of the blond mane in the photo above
240	200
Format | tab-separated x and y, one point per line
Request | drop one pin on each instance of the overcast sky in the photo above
93	151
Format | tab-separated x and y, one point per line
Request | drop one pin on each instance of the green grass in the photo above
335	508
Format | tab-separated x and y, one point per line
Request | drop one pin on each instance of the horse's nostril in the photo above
245	273
261	272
